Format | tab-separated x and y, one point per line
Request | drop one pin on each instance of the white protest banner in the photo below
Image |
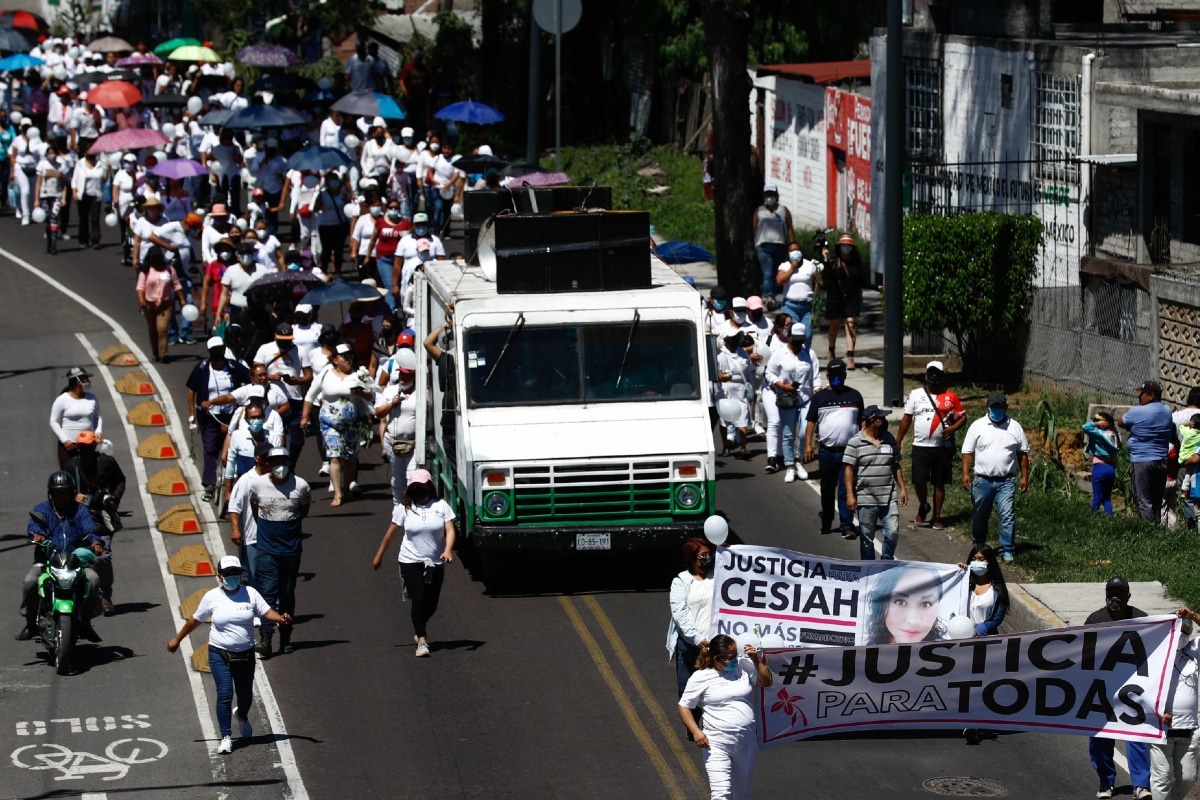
1106	680
812	601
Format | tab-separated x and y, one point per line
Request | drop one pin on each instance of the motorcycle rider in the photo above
101	485
68	525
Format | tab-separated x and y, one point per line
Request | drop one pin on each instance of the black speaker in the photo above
625	249
480	206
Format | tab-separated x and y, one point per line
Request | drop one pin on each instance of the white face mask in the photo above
279	472
246	260
740	316
795	256
978	567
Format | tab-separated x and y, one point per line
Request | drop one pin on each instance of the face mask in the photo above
934	378
225	258
246	260
421	231
997	415
837	380
1116	605
978	567
720	305
393	215
261	234
770	201
230	583
284	344
379	139
883	426
844	250
255	425
795	256
85	385
376	211
408	141
731	665
435	148
740	316
279	472
705	561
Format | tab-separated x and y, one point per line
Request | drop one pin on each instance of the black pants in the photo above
421	594
89	220
333	242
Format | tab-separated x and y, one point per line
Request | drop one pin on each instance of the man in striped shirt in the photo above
874	481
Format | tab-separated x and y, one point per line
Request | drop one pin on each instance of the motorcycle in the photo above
62	591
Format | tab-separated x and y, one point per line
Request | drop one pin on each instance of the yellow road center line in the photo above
618	692
669	728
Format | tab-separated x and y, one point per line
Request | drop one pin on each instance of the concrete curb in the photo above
1027	613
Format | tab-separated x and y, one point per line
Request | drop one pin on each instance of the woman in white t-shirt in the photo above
723	686
231	608
691	610
340	395
798	279
427	523
74	411
397	412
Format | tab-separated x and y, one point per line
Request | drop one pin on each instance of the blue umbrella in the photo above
339	291
471	112
369	104
682	252
18	62
262	116
318	158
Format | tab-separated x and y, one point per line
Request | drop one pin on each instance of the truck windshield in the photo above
553	365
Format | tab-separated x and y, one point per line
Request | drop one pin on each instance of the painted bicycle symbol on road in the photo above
76	764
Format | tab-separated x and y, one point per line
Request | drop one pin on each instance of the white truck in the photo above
574	420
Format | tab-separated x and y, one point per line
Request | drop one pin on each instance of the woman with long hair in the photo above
903	607
74	411
157	288
691	610
338	390
1103	445
989	592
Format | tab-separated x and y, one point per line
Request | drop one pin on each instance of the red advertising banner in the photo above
848	129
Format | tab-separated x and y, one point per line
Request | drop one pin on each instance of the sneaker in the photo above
759	430
187	340
65	236
1104	793
24	221
937	524
226	746
25	634
1141	793
801	473
422	649
772	467
790	475
209	492
245	728
324	470
848	534
923	511
354	489
107	605
1008	557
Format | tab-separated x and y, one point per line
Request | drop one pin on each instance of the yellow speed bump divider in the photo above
118	356
188	607
158	446
179	519
135	383
193	561
167	482
200	659
149	414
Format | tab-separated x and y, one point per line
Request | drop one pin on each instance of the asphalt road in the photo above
558	688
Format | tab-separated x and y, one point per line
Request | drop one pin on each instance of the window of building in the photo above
1111	308
1056	126
923	109
1190	182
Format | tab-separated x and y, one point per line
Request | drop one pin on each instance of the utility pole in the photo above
535	62
893	200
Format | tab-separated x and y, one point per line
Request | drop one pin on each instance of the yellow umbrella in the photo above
194	52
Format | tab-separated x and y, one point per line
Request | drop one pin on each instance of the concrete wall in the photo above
1176	303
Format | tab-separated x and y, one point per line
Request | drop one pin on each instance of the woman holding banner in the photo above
989	592
691	611
903	607
723	685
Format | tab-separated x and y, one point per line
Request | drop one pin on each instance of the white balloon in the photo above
216	167
190	312
729	410
160	156
114	159
34	134
111	220
456	211
16	117
105	448
168	130
351	210
960	627
60	73
39	215
243	224
194	104
73	52
352	142
773	641
716	530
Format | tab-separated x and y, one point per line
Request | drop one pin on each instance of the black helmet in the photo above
60	480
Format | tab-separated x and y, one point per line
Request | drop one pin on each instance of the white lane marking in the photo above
93	796
195	679
287	757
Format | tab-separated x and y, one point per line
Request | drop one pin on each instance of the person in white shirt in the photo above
798	278
331	130
23	159
49	193
447	181
87	183
237	280
995	447
305	331
397	412
333	226
377	155
124	183
74	410
1173	763
407	157
224	157
735	373
789	383
270	172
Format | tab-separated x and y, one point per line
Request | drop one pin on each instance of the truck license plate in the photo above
593	541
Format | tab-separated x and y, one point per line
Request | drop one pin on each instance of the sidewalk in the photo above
1035	606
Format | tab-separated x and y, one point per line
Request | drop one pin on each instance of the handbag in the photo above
403	447
947	441
787	401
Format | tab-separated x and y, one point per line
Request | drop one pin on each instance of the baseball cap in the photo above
1150	388
406	338
873	412
229	564
214	342
283	331
754	303
935	364
78	372
997	400
86	437
219	210
770	188
836	365
278	452
128	157
420	476
344	349
423	245
304	308
798	329
406	133
420	219
738	302
1117	585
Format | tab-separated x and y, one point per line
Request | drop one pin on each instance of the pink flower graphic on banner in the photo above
789	704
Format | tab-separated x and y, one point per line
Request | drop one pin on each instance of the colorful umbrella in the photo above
470	112
177	168
339	291
114	94
19	61
316	157
140	60
172	45
267	56
26	20
369	104
194	52
110	44
97	77
129	139
253	118
539	179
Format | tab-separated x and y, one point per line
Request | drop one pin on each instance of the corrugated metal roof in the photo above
1111	159
822	73
401	28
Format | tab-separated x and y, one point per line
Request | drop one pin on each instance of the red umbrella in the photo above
129	139
24	19
114	94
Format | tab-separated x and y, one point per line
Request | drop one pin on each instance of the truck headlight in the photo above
496	503
687	496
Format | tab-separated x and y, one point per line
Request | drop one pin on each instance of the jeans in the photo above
1103	477
799	311
1173	767
1149	483
686	654
1003	493
277	583
1138	753
237	680
249	555
385	265
212	438
873	518
770	256
423	595
788	419
832	486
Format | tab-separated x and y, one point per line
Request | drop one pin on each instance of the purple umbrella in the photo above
538	179
179	168
267	56
139	60
129	139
